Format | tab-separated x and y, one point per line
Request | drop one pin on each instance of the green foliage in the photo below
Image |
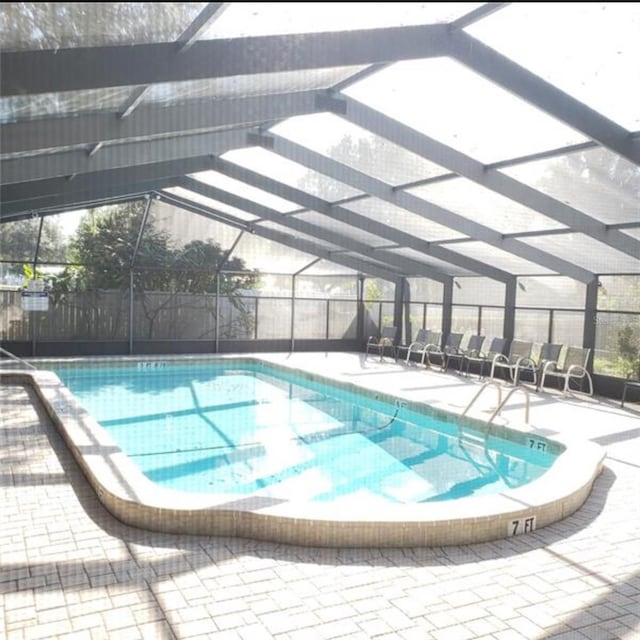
372	293
108	239
629	351
19	239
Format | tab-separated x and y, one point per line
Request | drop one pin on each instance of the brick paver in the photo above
70	571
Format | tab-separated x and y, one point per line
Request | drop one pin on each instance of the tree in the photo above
19	240
112	254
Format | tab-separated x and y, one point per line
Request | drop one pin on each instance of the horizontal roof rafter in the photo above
79	161
151	120
32	72
32	196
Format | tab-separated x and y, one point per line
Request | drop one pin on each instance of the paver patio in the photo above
70	570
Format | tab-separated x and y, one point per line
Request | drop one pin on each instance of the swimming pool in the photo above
255	429
133	498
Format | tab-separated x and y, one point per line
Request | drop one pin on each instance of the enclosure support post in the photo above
447	301
590	319
293	310
509	309
130	311
360	309
217	344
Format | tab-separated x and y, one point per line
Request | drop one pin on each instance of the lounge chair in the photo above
451	347
473	348
481	358
383	342
519	353
574	367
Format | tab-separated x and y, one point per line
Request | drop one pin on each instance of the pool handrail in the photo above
16	358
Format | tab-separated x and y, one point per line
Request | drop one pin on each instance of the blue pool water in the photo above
252	429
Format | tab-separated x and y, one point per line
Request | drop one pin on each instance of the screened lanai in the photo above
228	177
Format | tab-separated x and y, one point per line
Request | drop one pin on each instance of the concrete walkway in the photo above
69	570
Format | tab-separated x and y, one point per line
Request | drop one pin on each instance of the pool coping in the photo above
137	501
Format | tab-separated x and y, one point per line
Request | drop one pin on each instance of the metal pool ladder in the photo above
501	402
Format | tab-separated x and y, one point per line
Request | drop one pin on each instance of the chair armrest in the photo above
576	369
525	361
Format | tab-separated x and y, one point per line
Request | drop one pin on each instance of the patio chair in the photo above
383	342
519	353
438	355
473	348
549	352
574	367
481	358
419	343
434	341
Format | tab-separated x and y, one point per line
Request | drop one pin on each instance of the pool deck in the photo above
68	569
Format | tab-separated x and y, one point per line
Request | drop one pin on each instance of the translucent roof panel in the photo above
550	291
498	258
168	93
596	181
276	18
13	108
183	227
244	190
403	220
586	252
57	25
427	260
349	144
211	203
449	93
270	257
297	235
290	173
591	50
484	206
332	227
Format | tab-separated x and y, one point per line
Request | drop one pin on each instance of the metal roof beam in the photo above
517	80
285	239
406	265
428	210
31	72
78	161
87	183
357	220
55	203
496	181
150	121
